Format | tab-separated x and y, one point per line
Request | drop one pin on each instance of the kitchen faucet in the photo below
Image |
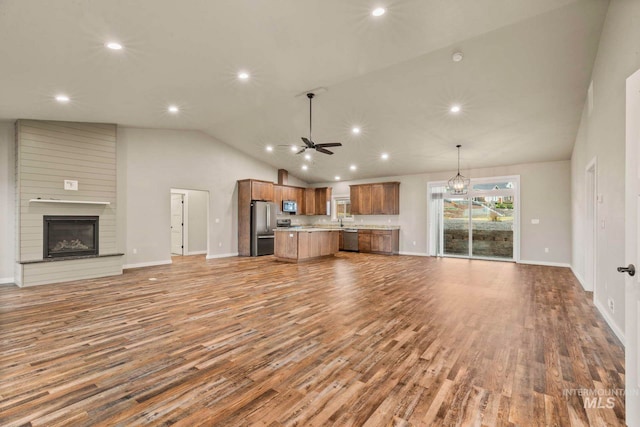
340	219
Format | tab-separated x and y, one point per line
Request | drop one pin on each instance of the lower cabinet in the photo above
379	241
364	240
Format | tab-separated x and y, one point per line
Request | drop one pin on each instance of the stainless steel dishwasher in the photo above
350	239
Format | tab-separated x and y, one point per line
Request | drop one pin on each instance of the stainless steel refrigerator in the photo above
263	224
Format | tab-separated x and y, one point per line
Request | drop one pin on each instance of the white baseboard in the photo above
580	279
196	253
229	255
413	253
545	263
6	281
614	327
146	264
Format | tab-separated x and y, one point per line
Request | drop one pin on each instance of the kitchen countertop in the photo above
331	227
305	229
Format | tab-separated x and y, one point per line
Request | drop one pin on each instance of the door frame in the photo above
632	250
185	219
591	230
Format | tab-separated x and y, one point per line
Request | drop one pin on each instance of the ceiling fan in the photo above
308	142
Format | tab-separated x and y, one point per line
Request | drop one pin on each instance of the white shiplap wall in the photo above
47	153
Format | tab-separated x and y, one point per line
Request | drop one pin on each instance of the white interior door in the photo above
632	251
177	224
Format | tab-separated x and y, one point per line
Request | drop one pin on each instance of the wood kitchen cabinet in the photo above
323	195
315	201
300	245
379	241
285	192
309	201
381	198
261	190
279	196
364	240
360	196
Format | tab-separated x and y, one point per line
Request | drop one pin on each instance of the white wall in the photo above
197	220
151	162
545	194
7	202
602	135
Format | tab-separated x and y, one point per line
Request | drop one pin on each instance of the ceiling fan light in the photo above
294	148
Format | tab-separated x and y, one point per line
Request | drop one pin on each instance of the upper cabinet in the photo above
309	201
285	192
381	198
315	201
261	190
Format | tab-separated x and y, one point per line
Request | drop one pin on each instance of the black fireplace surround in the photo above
70	236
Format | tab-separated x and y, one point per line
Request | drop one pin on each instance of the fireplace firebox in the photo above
70	236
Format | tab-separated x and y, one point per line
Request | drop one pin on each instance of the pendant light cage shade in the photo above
458	185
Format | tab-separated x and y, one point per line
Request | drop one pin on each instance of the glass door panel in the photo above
492	226
456	226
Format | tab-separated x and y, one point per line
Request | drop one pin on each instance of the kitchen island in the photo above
295	245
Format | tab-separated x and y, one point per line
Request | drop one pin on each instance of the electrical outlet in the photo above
611	306
135	251
70	185
414	243
219	244
546	250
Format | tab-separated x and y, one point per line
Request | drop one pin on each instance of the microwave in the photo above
289	206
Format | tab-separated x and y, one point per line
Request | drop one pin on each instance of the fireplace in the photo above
70	236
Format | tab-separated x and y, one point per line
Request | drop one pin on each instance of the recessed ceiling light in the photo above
294	148
457	56
243	75
269	148
353	167
355	130
384	156
173	109
113	45
62	98
455	109
307	156
305	167
337	178
378	11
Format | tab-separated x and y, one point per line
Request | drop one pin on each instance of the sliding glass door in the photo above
481	224
455	226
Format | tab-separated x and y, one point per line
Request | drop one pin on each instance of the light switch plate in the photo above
535	221
70	185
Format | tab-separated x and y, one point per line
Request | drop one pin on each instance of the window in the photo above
342	209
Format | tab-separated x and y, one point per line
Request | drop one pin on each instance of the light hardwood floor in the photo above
352	340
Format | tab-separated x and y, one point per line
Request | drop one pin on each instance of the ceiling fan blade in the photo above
302	151
309	143
322	150
330	144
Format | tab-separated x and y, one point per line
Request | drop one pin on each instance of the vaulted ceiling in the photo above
521	85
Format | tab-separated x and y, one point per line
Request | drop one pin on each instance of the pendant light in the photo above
458	185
